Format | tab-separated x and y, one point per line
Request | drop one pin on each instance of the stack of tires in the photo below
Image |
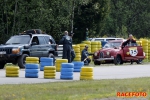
59	62
31	70
77	53
67	71
145	47
45	61
12	71
94	46
89	45
32	60
86	73
82	46
78	66
99	45
49	72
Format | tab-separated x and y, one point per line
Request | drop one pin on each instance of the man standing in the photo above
84	56
130	41
66	41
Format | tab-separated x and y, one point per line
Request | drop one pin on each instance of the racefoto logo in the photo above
131	94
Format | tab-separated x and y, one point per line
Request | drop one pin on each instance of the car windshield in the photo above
112	45
19	40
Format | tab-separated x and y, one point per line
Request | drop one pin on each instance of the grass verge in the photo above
76	90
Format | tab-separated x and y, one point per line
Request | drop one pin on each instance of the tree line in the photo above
112	18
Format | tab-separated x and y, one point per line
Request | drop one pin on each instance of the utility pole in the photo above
72	16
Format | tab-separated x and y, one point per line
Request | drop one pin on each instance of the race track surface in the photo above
100	72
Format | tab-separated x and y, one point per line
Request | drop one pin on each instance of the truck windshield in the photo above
19	40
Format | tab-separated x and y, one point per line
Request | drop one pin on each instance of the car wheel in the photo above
97	63
2	65
118	60
52	56
21	60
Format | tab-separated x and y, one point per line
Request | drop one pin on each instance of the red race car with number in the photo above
114	52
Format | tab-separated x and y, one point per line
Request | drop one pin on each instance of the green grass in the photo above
75	90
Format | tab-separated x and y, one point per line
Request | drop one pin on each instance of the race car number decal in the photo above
133	51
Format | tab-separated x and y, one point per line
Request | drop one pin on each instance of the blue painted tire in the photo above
78	67
78	63
67	69
41	68
46	59
67	65
77	70
32	66
42	64
67	73
31	70
30	75
66	77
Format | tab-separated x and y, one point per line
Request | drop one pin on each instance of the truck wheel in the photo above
52	56
21	60
2	65
118	60
97	63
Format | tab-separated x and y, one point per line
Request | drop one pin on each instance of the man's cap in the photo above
86	46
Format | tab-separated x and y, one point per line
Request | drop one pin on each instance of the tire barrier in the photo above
31	70
67	71
49	72
86	73
145	47
59	62
32	60
12	71
77	53
95	45
82	46
78	66
149	50
45	61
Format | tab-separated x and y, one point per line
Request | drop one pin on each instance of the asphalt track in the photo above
100	72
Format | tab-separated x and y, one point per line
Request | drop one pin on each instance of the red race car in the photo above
114	52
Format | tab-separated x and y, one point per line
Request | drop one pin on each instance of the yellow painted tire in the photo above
86	78
49	71
94	46
32	59
87	69
62	60
12	72
82	45
49	77
146	54
12	68
86	73
77	59
146	57
49	74
94	43
58	66
87	42
58	69
77	49
32	62
78	53
49	68
78	56
99	43
12	75
76	46
94	49
146	51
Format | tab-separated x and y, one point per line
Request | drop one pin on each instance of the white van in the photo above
104	39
